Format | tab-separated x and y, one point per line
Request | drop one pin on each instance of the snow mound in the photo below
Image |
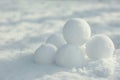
66	76
76	31
101	68
56	40
45	54
69	56
100	46
62	76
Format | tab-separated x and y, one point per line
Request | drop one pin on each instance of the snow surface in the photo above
45	54
70	56
25	24
76	31
100	46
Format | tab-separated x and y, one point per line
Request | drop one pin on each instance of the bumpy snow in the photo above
76	31
70	56
57	40
45	54
100	46
100	69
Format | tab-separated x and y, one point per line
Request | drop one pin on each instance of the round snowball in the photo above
56	40
69	56
45	54
100	46
76	31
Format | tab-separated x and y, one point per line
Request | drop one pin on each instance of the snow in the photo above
65	76
26	24
76	31
100	46
116	40
45	54
56	39
70	56
100	69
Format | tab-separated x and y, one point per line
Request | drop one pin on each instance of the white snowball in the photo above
76	31
100	46
69	56
45	54
56	40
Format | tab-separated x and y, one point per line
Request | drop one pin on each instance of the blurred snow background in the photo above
24	24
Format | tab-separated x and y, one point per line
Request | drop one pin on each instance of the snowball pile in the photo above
75	46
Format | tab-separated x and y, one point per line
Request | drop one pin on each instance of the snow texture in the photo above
100	46
26	24
76	31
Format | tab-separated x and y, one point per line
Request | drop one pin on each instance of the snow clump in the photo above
99	46
45	54
76	31
69	56
56	40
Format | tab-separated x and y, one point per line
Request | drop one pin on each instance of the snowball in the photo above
45	54
76	31
100	46
69	56
56	40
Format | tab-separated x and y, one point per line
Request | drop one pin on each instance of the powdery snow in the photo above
95	70
66	76
101	68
